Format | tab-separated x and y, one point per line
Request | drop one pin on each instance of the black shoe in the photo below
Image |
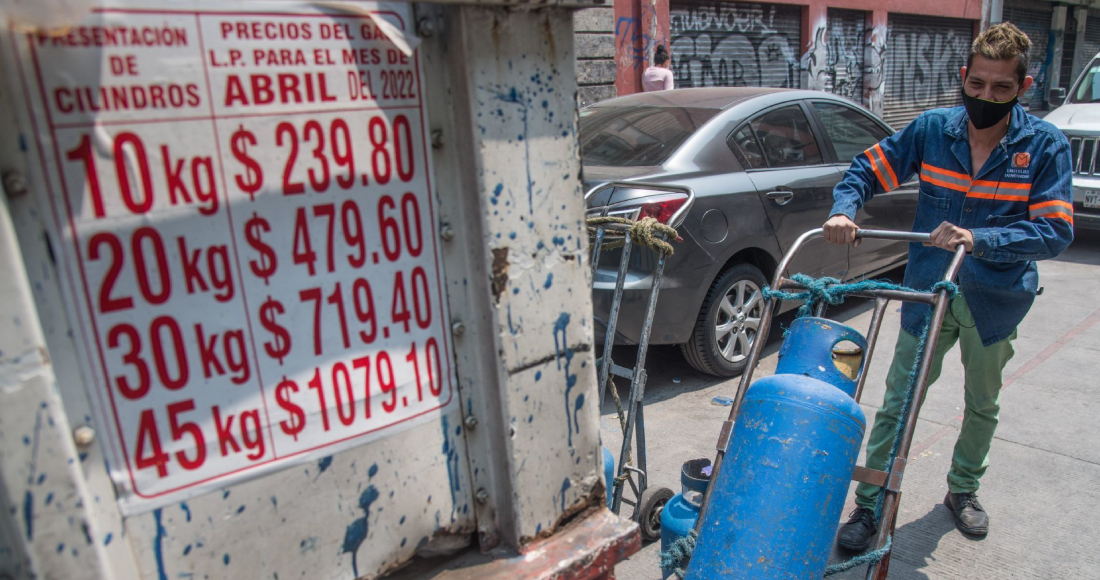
856	535
970	518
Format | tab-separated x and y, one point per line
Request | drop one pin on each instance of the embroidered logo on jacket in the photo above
1021	159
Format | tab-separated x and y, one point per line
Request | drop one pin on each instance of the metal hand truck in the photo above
647	501
890	480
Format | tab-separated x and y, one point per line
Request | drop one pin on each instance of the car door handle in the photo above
781	197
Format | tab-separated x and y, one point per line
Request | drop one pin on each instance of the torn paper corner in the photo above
405	41
45	15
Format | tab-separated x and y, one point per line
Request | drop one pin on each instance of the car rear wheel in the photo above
728	322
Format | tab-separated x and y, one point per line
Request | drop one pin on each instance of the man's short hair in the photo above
1002	42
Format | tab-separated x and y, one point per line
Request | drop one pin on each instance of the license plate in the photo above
1092	199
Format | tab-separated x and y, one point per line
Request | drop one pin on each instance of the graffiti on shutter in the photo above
1034	21
834	62
924	56
722	44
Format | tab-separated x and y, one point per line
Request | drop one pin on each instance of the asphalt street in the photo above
1042	490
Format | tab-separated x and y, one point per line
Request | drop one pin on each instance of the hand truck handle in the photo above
893	235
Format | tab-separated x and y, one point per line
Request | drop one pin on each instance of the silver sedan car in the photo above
762	164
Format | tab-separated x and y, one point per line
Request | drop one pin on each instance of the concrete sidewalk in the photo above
1042	490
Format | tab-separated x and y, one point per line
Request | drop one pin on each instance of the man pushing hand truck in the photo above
998	181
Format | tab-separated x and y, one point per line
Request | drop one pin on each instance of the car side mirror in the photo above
1056	96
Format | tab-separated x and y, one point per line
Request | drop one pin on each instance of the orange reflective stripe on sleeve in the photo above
1051	209
1057	214
889	168
874	167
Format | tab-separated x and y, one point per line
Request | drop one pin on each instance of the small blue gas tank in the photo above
682	511
777	499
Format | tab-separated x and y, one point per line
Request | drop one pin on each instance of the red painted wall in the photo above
635	39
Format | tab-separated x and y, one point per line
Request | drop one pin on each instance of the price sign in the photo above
244	210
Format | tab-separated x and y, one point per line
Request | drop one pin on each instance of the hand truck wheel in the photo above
648	511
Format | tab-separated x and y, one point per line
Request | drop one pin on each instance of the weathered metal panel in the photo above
1034	20
735	44
516	215
923	57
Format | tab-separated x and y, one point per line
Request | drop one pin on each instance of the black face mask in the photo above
984	114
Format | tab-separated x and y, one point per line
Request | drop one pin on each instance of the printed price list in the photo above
245	208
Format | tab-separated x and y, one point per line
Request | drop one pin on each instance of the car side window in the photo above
851	131
744	145
786	138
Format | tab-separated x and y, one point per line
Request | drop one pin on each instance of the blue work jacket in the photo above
1018	206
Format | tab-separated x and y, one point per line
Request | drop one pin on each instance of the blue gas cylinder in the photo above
780	492
608	473
808	350
682	511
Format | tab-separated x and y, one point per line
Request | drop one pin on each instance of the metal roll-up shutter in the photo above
1033	19
735	44
846	44
923	57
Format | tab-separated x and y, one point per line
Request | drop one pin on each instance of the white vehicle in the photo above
1079	119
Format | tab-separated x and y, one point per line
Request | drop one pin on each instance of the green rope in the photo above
646	232
872	557
679	554
833	292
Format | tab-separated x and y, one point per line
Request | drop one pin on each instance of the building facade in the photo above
897	58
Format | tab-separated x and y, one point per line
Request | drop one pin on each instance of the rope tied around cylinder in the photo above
647	232
832	291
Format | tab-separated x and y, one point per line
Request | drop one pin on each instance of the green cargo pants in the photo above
983	366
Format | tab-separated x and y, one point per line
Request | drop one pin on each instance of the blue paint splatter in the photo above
549	281
28	513
225	559
107	539
576	409
356	532
275	502
240	509
451	453
372	471
558	241
511	327
186	510
565	485
158	545
187	549
225	494
512	236
561	348
322	465
49	498
60	548
538	376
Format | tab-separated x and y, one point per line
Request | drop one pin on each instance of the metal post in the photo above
1057	38
1080	57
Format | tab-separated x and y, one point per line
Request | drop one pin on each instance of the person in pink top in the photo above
658	77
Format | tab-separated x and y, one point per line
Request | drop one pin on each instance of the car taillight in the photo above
662	210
